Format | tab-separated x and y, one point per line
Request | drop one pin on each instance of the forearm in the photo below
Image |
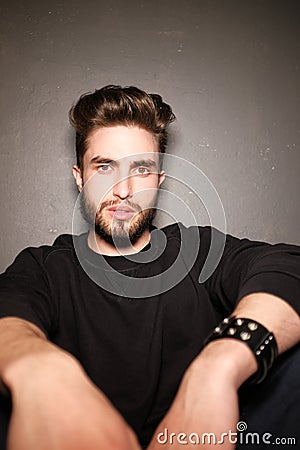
21	342
274	314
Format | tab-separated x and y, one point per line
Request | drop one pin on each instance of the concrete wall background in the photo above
230	69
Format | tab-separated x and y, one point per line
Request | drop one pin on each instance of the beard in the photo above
119	233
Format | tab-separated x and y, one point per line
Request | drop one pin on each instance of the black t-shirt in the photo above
136	347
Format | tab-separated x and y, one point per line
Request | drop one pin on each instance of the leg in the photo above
274	405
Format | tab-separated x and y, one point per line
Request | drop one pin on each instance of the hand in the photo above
59	408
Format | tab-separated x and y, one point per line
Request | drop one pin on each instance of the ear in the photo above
78	177
161	177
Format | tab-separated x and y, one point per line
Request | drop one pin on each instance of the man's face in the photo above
120	179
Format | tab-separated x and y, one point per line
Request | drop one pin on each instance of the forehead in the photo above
120	142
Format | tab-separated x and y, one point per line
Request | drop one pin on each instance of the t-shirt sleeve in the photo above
250	266
25	291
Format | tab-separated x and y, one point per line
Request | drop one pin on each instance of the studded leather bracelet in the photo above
262	342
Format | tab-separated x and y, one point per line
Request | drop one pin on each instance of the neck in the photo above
99	245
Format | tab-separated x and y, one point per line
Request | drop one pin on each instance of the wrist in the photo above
48	364
227	359
255	336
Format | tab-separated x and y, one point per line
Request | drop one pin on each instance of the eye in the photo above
141	170
104	168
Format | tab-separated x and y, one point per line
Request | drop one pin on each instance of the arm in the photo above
207	400
55	404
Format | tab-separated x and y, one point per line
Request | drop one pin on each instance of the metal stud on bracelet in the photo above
262	342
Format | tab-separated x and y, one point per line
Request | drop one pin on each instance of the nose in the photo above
122	188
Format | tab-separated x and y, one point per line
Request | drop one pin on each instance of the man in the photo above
98	352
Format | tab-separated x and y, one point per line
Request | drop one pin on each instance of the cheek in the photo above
98	187
145	190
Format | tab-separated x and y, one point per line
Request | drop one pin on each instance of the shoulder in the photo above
62	244
34	257
179	231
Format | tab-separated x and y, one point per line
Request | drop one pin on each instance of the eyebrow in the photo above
141	162
144	162
101	160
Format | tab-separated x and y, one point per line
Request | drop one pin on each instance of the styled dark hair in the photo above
115	105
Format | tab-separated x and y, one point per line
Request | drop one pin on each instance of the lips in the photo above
121	212
121	208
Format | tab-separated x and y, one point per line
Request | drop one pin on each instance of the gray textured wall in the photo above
229	68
